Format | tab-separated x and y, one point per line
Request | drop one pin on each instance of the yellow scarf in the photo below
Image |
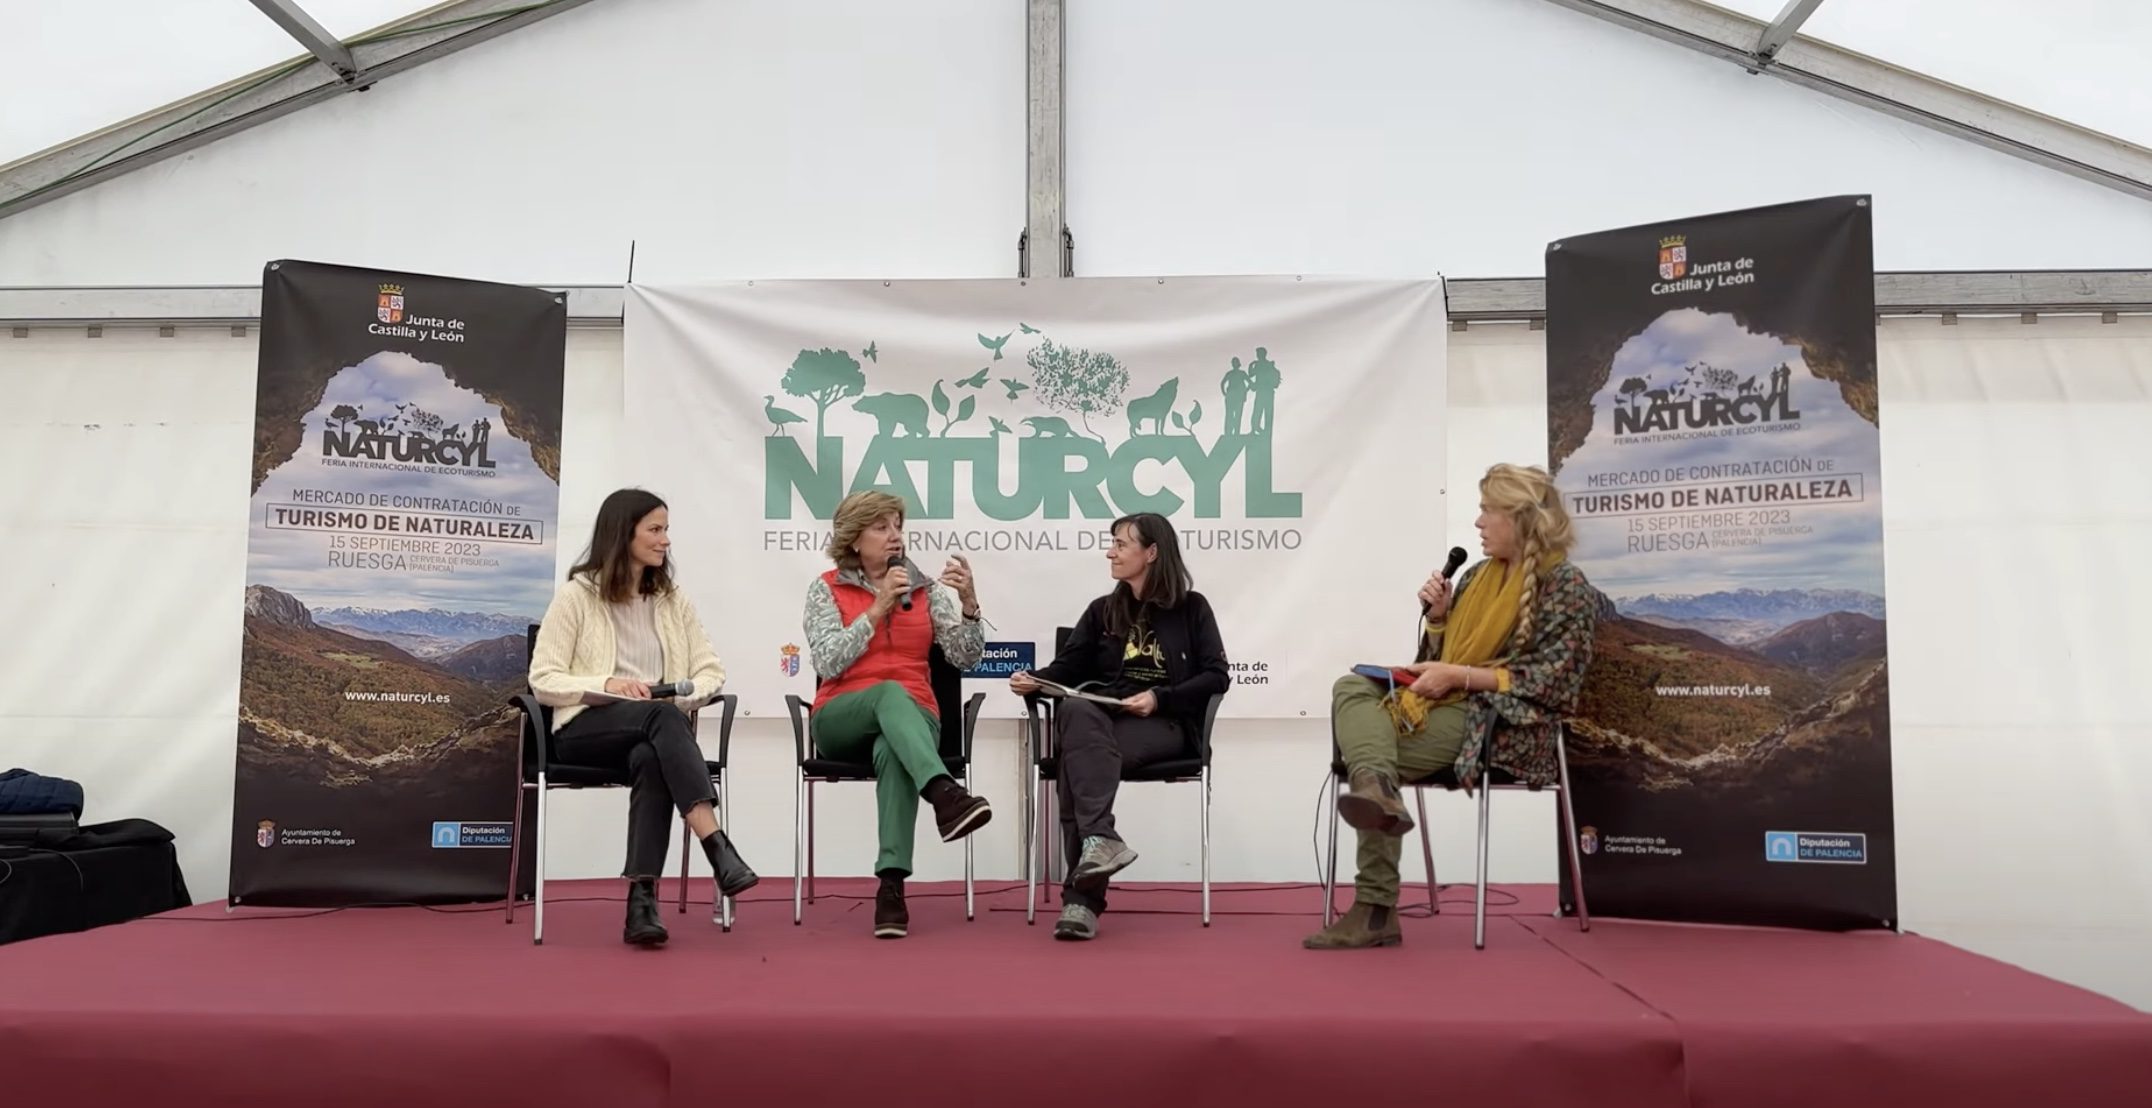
1478	626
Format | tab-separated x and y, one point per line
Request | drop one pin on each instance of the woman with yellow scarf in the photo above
1495	671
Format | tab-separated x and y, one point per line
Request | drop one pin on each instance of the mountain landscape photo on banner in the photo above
332	612
1776	642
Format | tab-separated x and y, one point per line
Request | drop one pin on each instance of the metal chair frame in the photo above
1040	832
535	765
948	685
1446	779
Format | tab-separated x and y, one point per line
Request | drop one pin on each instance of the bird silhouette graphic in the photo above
780	419
1014	386
975	381
1000	428
993	344
1028	329
870	353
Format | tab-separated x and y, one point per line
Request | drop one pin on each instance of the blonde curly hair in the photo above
1526	494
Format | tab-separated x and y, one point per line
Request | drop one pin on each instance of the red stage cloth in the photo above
403	1007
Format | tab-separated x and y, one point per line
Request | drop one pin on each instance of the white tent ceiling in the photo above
2078	60
86	65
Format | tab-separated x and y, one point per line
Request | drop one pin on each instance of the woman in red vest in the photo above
869	635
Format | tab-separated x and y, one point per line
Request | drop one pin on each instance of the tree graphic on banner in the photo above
824	376
1078	381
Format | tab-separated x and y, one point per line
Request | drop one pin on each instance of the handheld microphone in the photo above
896	560
671	689
1449	570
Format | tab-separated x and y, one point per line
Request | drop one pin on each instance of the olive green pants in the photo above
1368	740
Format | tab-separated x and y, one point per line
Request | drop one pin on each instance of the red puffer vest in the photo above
897	652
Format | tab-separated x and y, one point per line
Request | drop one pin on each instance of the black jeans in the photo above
656	742
1096	747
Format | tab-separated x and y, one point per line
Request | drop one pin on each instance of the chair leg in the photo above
810	842
1034	848
969	840
724	812
799	832
685	844
1330	862
538	901
1204	783
1052	823
1479	903
1427	852
1569	836
515	845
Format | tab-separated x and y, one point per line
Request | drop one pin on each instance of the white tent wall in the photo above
2013	458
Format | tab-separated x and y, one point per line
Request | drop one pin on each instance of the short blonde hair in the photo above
854	514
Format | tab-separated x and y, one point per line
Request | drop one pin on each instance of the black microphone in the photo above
1449	570
671	689
896	560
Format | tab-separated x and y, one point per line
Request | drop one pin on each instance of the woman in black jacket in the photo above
1152	644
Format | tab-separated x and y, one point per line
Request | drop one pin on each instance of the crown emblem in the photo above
392	290
1674	240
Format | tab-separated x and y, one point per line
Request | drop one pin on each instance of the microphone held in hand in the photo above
895	561
672	689
1449	570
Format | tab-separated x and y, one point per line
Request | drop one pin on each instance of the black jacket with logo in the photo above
1187	636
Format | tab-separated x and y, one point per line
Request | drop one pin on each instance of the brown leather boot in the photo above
1366	925
1374	805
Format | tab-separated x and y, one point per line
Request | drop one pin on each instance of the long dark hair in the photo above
1165	584
606	559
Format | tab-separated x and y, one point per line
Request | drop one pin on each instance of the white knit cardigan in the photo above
577	652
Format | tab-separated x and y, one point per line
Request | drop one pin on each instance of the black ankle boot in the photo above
733	876
643	928
891	919
956	813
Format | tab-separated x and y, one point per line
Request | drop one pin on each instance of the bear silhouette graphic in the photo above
894	411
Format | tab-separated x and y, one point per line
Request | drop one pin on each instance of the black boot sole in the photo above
645	938
968	821
736	884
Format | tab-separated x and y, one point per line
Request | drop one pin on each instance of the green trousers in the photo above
904	741
1368	740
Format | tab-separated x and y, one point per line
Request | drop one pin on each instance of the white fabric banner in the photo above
1292	430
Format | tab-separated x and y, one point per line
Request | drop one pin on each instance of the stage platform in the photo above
405	1007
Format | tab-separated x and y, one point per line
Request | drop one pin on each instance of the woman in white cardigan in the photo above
617	627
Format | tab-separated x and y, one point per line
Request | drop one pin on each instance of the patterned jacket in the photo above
1545	679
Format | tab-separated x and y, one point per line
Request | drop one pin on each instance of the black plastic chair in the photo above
539	769
1446	779
1041	832
959	717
